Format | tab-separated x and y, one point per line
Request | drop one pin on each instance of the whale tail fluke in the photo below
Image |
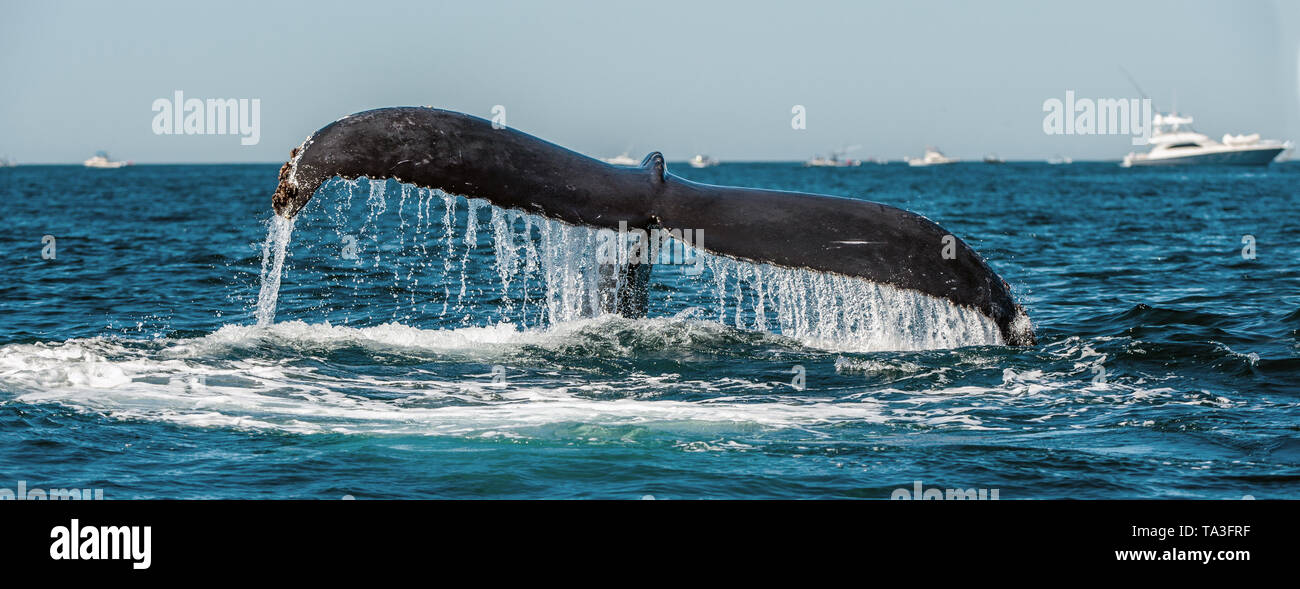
464	155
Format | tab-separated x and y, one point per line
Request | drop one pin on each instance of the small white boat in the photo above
101	160
993	158
703	161
622	159
1173	145
933	157
1057	160
838	159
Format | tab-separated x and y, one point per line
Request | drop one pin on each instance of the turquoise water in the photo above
406	356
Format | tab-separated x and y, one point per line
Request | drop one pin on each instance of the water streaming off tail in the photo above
278	232
838	312
423	257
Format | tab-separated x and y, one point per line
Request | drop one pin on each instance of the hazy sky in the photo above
681	77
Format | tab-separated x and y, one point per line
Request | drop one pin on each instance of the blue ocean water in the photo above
426	346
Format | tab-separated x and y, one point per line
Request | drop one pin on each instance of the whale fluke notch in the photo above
465	155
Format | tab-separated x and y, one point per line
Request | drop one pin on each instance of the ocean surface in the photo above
171	340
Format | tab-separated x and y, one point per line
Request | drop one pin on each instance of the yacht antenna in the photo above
1133	81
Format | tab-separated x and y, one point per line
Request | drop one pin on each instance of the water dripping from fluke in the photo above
279	231
541	273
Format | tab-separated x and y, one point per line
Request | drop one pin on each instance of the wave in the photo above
607	372
245	377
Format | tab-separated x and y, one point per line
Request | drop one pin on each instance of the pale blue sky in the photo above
681	77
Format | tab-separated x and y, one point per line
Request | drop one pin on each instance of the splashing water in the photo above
544	272
839	312
279	231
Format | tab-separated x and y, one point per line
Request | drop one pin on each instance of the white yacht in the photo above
838	159
101	160
833	161
1058	160
622	159
1172	144
703	161
933	157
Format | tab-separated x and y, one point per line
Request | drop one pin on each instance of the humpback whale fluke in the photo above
466	155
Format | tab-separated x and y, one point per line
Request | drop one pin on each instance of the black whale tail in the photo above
466	155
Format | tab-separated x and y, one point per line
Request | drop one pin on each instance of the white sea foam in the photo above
274	378
216	381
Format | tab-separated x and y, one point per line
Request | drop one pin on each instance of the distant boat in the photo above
838	159
703	161
101	160
993	158
1175	146
7	163
933	157
1057	160
622	159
